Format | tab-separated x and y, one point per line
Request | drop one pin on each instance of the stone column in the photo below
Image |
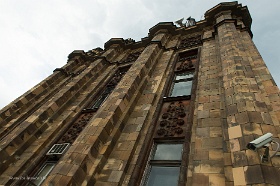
248	108
206	165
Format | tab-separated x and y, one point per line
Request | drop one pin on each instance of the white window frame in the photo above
42	178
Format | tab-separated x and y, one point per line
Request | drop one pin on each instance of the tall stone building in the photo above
176	108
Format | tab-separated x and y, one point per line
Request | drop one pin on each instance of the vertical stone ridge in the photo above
206	166
247	85
39	124
107	117
22	100
33	99
127	149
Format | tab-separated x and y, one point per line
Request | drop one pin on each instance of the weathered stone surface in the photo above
253	174
212	143
239	159
234	132
216	179
200	179
270	174
238	176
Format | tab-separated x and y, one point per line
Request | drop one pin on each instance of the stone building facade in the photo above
176	108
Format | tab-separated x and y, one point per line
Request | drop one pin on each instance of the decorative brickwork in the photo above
132	57
76	128
190	42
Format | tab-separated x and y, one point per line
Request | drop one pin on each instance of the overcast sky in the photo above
36	36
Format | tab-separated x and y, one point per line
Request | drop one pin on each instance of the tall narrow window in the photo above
164	165
109	88
42	173
102	97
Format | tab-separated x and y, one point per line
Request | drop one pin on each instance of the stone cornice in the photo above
236	25
236	10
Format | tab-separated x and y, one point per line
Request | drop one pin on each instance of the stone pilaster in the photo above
89	153
206	162
246	101
38	131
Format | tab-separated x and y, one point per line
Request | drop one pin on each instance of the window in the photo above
161	176
42	173
182	84
47	166
168	152
103	97
185	75
107	90
164	165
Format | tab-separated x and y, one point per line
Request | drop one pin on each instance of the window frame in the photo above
165	166
174	81
102	98
161	163
41	170
105	92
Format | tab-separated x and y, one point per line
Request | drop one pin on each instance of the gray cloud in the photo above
37	36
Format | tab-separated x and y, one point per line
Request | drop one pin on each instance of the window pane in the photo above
182	88
41	176
184	75
163	176
168	152
100	100
105	94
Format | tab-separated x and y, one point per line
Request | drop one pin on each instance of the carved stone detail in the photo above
172	120
132	57
190	42
186	65
187	58
116	79
129	41
94	52
75	129
189	22
89	55
66	73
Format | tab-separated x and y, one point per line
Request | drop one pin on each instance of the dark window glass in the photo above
168	152
109	88
163	176
103	97
99	101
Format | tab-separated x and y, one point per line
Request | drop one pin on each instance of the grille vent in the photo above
58	149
